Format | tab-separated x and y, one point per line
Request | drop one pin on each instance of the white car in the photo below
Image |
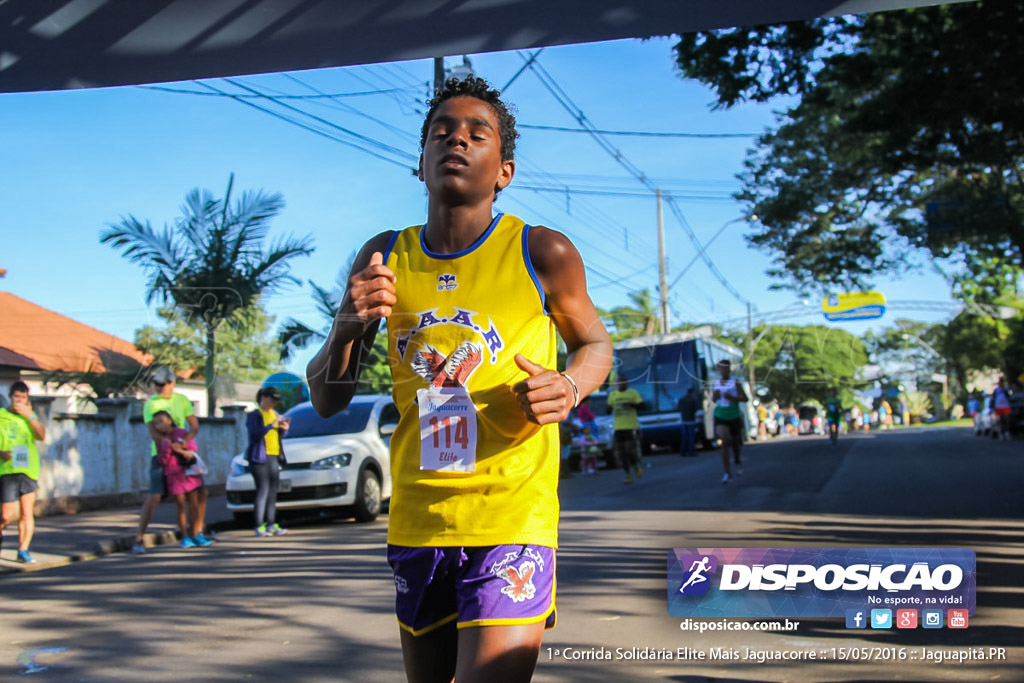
340	463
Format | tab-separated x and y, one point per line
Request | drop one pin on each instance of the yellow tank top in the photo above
473	310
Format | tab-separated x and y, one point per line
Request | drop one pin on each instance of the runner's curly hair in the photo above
481	90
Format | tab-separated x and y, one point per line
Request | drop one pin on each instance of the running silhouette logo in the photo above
696	580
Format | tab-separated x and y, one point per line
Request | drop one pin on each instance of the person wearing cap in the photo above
728	395
19	468
180	409
265	454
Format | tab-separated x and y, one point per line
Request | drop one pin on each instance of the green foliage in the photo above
245	350
807	363
919	403
907	135
210	262
626	322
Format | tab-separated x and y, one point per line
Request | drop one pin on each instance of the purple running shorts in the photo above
497	585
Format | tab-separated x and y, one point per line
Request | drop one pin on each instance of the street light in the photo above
704	247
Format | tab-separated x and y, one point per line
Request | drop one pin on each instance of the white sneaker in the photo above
725	478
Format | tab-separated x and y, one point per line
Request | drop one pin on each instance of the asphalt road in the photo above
316	605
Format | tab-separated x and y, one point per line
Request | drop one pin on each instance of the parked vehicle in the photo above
339	464
662	367
812	419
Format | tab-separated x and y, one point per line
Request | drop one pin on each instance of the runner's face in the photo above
461	161
19	398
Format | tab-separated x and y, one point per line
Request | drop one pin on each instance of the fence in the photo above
102	459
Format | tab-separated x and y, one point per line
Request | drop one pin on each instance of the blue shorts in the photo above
157	484
498	585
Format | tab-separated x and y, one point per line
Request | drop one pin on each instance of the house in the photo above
35	341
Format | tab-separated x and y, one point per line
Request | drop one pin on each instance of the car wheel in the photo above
368	497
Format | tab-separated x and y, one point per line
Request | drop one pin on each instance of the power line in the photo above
186	91
636	133
310	128
670	200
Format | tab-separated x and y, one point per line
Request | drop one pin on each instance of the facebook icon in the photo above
856	618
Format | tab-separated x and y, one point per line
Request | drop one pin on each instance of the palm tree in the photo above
211	262
639	319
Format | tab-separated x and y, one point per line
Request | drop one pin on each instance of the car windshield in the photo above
305	421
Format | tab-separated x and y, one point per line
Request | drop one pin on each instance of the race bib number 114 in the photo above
447	429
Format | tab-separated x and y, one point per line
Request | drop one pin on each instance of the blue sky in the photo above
75	161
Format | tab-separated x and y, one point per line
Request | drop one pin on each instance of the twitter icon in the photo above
881	618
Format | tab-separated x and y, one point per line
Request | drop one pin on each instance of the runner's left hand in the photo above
545	396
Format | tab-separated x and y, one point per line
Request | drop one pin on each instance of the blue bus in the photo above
662	367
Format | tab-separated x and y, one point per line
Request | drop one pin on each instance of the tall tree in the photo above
211	262
798	363
908	133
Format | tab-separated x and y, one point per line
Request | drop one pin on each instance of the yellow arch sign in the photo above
853	306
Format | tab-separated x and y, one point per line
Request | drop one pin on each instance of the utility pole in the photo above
662	278
438	74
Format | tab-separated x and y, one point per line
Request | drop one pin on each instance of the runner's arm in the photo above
369	296
548	397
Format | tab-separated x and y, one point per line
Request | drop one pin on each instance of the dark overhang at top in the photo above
59	44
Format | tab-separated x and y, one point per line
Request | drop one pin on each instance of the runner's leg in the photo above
431	657
27	522
498	654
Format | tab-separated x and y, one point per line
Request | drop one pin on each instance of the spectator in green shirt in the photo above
19	468
623	403
181	412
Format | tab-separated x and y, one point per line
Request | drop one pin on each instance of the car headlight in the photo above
239	467
333	462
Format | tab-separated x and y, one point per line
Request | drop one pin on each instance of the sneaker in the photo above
725	478
276	530
23	556
262	532
629	479
639	472
201	541
187	543
739	470
139	548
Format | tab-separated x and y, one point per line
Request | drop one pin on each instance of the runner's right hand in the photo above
371	292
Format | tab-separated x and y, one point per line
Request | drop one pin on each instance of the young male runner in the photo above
473	302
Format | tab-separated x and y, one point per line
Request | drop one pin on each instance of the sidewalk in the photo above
63	539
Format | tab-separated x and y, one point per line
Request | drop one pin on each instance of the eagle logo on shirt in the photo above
448	371
520	581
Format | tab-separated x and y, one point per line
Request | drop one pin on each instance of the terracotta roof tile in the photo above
56	342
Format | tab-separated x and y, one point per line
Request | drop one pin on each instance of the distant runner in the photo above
833	414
